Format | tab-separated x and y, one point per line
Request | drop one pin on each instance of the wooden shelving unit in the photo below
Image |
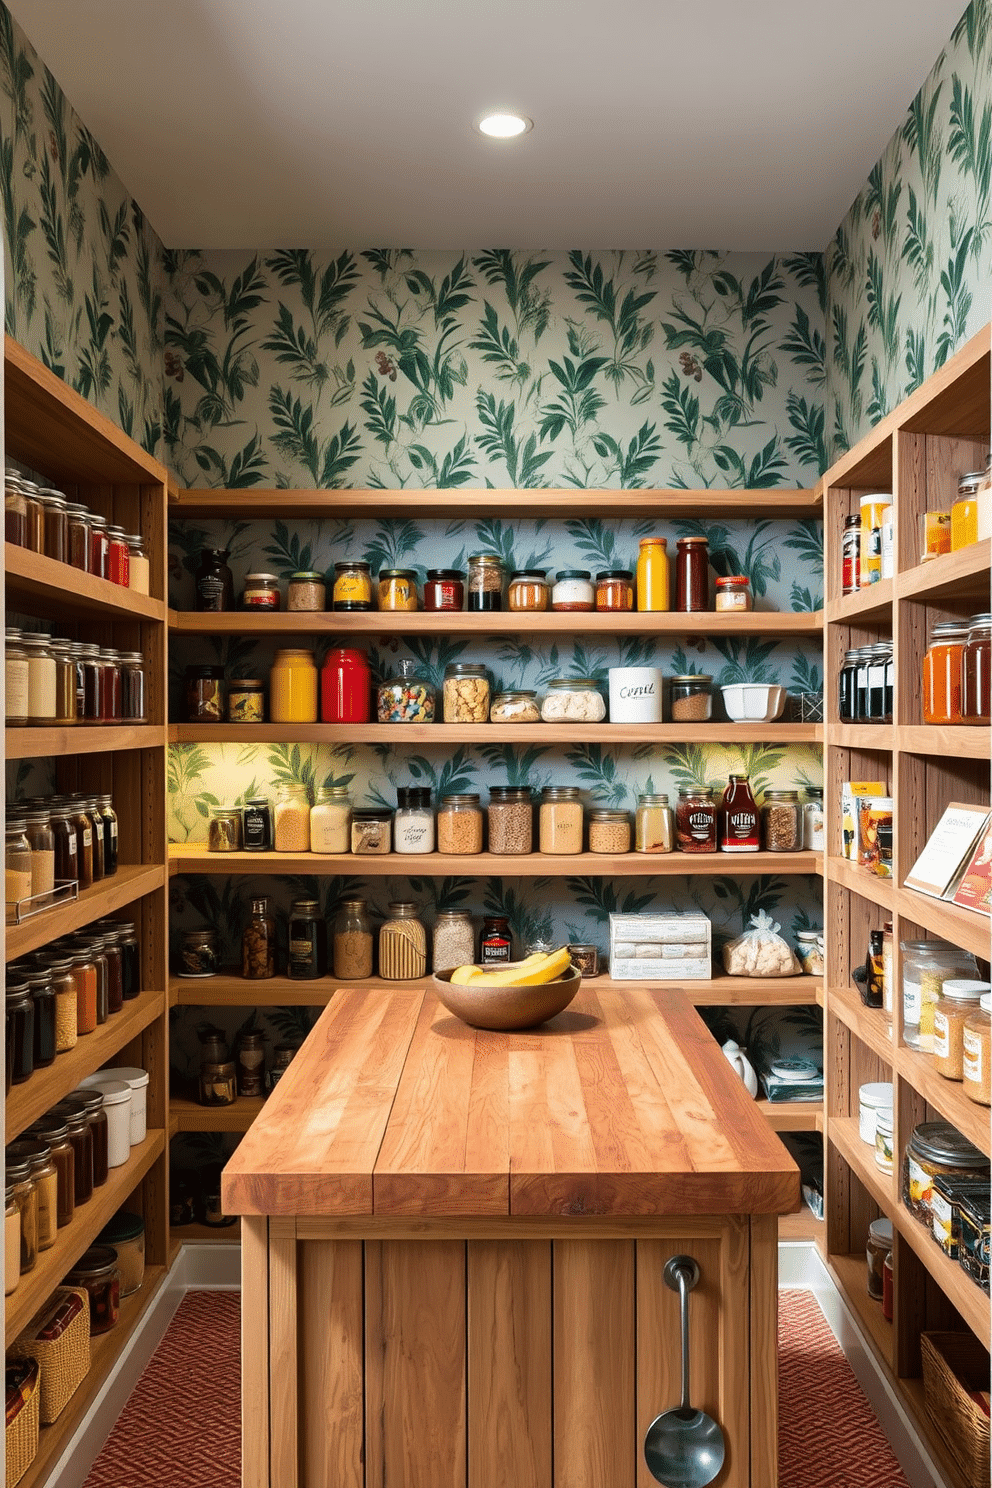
506	623
916	453
446	734
56	433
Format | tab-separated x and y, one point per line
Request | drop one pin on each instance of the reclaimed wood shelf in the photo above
56	591
44	743
444	734
131	881
961	577
501	623
872	604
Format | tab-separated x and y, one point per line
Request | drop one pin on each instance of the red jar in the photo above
692	575
444	589
118	558
345	688
738	817
99	547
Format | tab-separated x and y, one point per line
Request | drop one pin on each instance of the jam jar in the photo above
261	592
529	590
352	586
97	1272
976	671
942	672
444	589
692	574
695	820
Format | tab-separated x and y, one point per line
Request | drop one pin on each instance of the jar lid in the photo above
246	684
968	482
262	578
192	937
135	540
815	792
874	497
113	1092
948	628
574	946
398	573
206	673
51	1127
604	814
17	1170
521	694
296	651
492	559
96	1261
540	574
615	573
413	795
880	1231
350	564
701	679
652	798
370	813
732	579
461	798
454	914
782	795
573	573
965	990
465	669
696	790
445	573
684	541
876	1093
98	521
305	906
131	1074
17	991
91	1097
223	813
124	1226
810	937
561	792
564	684
30	1150
941	1142
345	653
401	909
71	1111
306	576
510	793
796	1070
976	622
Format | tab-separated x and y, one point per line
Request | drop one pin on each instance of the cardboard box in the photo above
661	948
850	791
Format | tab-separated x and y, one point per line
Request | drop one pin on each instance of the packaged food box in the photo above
946	1197
664	948
973	1247
850	791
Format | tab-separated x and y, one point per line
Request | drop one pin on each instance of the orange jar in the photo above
615	589
969	514
84	974
293	687
942	673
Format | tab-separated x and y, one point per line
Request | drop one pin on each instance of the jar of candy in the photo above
407	696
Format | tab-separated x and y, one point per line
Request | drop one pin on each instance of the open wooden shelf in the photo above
444	734
844	1133
867	1024
946	1096
863	882
965	927
792	1116
45	1087
862	736
871	603
56	591
959	577
190	1116
501	623
966	742
851	1274
131	881
43	743
801	1226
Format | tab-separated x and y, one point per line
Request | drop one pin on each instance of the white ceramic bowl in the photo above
753	702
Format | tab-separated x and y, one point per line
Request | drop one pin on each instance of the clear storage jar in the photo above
352	941
936	1148
977	1052
454	940
407	696
206	694
511	819
292	819
402	944
957	1001
560	820
16	679
485	582
942	673
615	589
306	591
261	592
573	700
459	824
691	698
352	586
465	694
139	569
413	822
224	829
515	707
654	824
926	966
397	589
330	820
695	820
126	1234
609	831
529	590
976	671
41	679
781	821
371	829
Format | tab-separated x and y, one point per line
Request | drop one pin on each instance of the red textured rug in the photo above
181	1427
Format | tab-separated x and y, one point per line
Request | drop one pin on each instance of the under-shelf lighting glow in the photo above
504	126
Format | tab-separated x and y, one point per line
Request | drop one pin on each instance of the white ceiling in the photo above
743	124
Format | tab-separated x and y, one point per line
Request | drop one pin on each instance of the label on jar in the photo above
210	588
920	1182
733	599
353	588
972	1057
261	599
912	1003
941	1045
17	689
301	954
256	830
494	950
942	1214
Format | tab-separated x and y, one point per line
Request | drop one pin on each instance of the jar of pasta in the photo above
977	1052
957	1001
560	819
465	695
293	687
352	586
615	589
292	819
529	589
397	589
402	944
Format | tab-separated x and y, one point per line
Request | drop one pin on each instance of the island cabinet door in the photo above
506	1362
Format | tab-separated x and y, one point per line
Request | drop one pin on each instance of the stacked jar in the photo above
43	520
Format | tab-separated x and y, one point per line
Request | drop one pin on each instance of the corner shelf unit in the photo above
53	431
916	452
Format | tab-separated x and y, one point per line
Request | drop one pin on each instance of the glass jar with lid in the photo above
65	682
307	591
352	586
53	1130
12	1242
485	582
261	592
198	952
609	831
976	671
99	546
847	687
878	1247
402	944
15	511
97	1273
444	589
560	820
926	966
345	687
91	1100
515	707
397	589
977	1045
35	516
118	557
213	582
966	516
573	700
25	1196
737	817
132	667
16	678
78	518
19	1031
45	1179
942	672
64	990
465	693
454	940
371	829
53	505
413	822
654	825
139	569
958	999
250	1062
224	829
330	820
17	863
73	1113
293	686
111	705
511	819
38	830
85	977
206	693
733	593
39	982
691	698
781	821
529	589
813	825
41	679
407	696
258	943
352	941
573	590
695	820
291	818
126	1235
459	823
92	945
307	941
935	1148
615	589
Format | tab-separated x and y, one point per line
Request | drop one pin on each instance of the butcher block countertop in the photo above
622	1105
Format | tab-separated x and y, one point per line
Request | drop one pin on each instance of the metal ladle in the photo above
684	1448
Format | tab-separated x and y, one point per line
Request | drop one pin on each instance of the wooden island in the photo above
453	1244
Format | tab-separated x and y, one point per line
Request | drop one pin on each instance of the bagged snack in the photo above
760	952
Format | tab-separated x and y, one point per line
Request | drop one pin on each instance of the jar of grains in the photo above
352	941
529	589
205	694
224	829
246	700
261	592
64	988
511	819
573	700
926	966
292	819
977	1043
573	590
397	589
695	820
465	695
307	591
444	589
352	586
515	707
258	943
330	820
293	687
459	824
609	831
691	698
781	821
957	1001
17	862
41	679
454	940
371	829
560	819
654	830
402	944
407	696
139	568
413	823
485	582
615	589
16	679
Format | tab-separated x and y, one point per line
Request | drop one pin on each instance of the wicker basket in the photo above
954	1364
64	1362
22	1434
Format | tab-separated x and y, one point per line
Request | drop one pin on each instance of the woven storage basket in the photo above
63	1363
22	1436
953	1364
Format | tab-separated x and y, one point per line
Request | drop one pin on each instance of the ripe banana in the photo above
542	967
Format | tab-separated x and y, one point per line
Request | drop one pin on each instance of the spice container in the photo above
459	824
529	590
43	998
946	1197
444	589
38	1154
495	941
54	1131
573	700
126	1234
213	582
586	958
654	826
306	592
652	574
615	589
515	707
25	1196
977	1053
345	687
293	687
371	829
256	820
926	966
352	586
99	547
560	820
942	672
405	697
874	1097
851	554
511	819
15	511
261	592
16	679
692	574
878	1247
935	1148
695	820
957	1001
206	694
282	1058
73	1113
246	700
976	671
307	942
690	698
573	590
291	819
250	1065
12	1240
17	863
139	569
872	991
397	589
733	593
485	582
413	822
352	941
737	819
224	829
96	1272
41	679
197	953
258	943
814	839
402	944
454	940
781	822
465	694
609	831
330	820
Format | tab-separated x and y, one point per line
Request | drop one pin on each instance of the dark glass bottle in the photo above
20	1032
692	574
307	942
257	825
214	581
738	817
495	942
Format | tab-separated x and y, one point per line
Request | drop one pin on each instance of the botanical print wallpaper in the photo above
909	271
83	268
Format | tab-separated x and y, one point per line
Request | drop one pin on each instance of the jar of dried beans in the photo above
695	820
459	824
781	821
691	698
609	831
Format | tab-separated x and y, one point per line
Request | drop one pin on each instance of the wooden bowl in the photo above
502	1009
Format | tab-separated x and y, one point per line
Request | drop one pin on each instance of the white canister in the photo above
635	695
137	1079
117	1104
871	1099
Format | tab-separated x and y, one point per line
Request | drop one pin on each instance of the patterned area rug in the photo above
183	1422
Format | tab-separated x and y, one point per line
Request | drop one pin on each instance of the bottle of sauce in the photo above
652	575
738	817
692	574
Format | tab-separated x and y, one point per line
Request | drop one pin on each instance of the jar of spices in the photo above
695	820
957	1001
53	505
78	519
781	821
139	574
256	825
691	698
54	1132
444	589
352	941
936	1148
12	1240
609	831
511	819
97	1273
654	828
205	694
465	694
92	946
926	966
16	678
371	829
330	820
615	589
413	822
402	944
307	591
738	817
692	575
586	958
529	589
88	660
733	593
99	547
397	589
91	1099
17	864
407	696
224	829
307	942
41	679
813	828
43	998
293	687
560	820
879	1246
292	819
258	943
118	557
352	586
108	817
64	991
261	592
73	1113
976	1069
851	554
84	975
38	830
652	574
246	700
213	582
454	940
126	1234
942	672
976	671
515	707
198	954
965	513
573	590
345	687
485	582
20	1031
111	707
459	823
250	1065
495	941
25	1196
15	511
132	666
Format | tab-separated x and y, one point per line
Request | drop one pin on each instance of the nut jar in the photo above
397	589
609	831
511	819
307	591
654	827
690	698
454	940
529	589
957	1001
977	1043
402	944
407	696
465	695
560	819
573	700
781	821
258	943
459	824
261	592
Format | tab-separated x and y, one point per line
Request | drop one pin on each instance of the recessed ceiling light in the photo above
504	126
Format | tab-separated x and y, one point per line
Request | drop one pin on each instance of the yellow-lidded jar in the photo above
977	1061
293	687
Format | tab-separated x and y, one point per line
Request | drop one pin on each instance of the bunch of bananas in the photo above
543	966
